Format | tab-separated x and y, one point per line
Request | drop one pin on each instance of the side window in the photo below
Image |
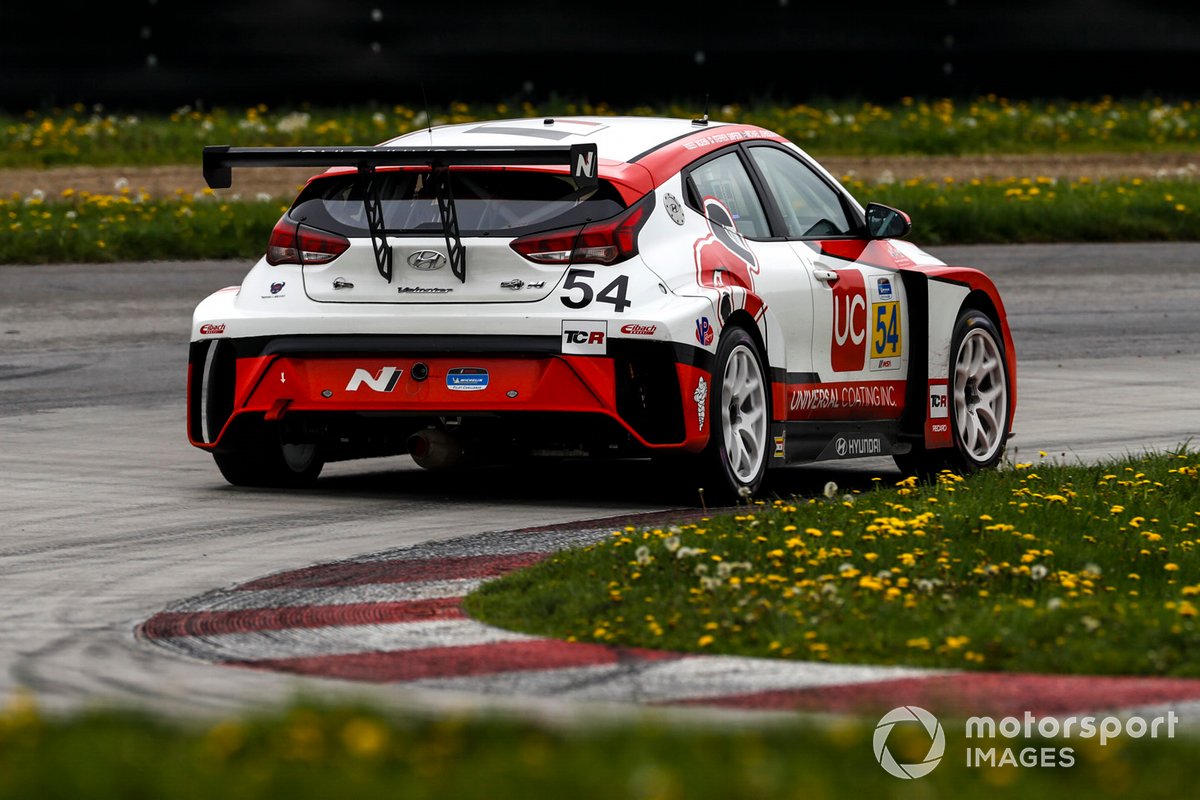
727	180
809	206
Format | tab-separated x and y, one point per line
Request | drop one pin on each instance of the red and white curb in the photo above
397	617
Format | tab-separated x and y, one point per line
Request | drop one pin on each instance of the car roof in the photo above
636	153
620	139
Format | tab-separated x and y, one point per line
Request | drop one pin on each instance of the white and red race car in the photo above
627	286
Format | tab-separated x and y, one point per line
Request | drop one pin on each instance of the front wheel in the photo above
267	460
736	456
978	401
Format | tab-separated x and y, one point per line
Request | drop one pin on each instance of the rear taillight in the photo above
608	242
292	243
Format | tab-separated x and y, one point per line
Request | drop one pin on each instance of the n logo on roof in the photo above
583	164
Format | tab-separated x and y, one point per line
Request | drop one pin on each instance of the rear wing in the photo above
580	159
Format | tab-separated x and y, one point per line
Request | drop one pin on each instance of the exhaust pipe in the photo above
436	450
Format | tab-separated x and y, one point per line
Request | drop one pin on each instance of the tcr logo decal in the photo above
723	259
585	337
848	346
939	401
384	380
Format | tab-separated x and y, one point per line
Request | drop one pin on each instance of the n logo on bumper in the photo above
384	381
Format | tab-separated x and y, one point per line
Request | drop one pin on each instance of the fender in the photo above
981	285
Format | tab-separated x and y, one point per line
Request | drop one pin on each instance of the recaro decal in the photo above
848	348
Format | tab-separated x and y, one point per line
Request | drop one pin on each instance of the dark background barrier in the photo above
155	54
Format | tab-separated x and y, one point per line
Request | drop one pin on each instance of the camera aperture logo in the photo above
931	725
1048	738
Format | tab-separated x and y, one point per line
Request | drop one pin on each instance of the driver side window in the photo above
810	208
725	179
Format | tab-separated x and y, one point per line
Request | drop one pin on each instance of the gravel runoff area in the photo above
166	180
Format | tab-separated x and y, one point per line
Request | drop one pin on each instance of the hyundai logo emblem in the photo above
426	260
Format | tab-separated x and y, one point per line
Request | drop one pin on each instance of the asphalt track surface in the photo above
107	516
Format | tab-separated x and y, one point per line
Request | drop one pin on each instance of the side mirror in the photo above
885	222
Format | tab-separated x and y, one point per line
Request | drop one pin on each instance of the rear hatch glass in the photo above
494	206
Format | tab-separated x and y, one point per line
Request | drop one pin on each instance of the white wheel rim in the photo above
980	395
744	413
298	457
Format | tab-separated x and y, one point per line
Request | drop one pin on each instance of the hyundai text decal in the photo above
384	380
584	337
850	446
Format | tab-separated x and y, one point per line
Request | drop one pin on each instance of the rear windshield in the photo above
487	201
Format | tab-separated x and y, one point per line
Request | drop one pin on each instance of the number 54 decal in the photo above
885	338
578	280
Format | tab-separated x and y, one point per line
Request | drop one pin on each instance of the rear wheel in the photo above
736	456
266	460
978	401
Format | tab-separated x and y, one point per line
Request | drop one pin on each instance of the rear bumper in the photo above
646	388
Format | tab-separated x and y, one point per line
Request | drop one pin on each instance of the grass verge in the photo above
1041	209
1060	569
321	753
128	226
97	136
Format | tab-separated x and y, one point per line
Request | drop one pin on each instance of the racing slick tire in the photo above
265	460
735	461
979	402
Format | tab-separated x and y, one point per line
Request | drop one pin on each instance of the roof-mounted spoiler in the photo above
580	159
